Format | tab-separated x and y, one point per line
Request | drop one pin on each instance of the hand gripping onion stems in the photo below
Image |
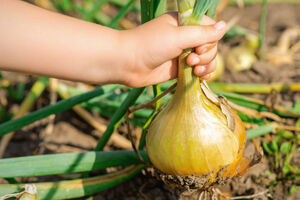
196	133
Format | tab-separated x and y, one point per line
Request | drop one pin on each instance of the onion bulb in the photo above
242	57
196	133
30	193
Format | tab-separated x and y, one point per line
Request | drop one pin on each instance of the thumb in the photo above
193	36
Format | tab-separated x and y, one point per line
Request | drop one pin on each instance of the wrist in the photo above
111	58
128	49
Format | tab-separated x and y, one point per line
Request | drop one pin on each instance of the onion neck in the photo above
186	79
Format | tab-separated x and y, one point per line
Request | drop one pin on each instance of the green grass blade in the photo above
108	91
75	188
61	106
212	10
122	13
102	18
142	142
122	3
157	91
250	2
201	7
262	29
18	93
147	13
112	101
66	163
255	88
82	162
113	107
96	7
235	31
118	116
147	10
160	7
256	104
36	90
11	180
259	131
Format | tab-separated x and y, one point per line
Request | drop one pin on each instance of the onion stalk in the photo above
197	133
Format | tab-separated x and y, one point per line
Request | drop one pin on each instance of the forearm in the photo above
36	41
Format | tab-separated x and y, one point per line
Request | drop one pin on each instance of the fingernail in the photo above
207	76
220	25
201	70
196	60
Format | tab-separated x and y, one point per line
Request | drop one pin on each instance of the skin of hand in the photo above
159	42
37	41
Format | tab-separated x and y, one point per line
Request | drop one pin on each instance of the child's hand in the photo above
154	46
36	41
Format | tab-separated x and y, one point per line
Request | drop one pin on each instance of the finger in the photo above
205	48
202	70
199	70
170	17
193	59
211	66
207	20
166	71
203	59
193	36
207	76
207	57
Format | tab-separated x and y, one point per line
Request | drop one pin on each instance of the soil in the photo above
71	134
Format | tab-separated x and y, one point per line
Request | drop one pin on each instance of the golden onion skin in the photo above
190	136
196	133
220	68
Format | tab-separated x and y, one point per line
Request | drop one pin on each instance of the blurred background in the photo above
258	59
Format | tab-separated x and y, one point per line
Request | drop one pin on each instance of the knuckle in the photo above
208	57
208	21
